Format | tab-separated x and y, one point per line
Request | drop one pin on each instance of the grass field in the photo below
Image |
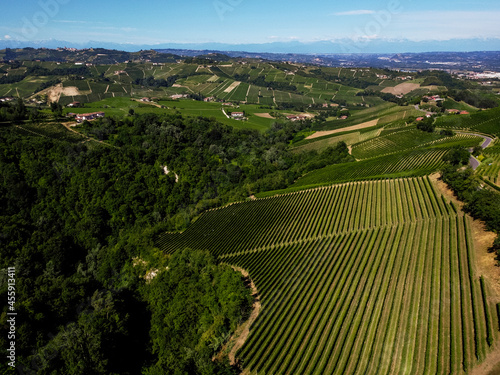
367	277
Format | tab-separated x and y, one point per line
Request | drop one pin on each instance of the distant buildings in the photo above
457	112
88	116
297	117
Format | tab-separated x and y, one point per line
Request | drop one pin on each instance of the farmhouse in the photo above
74	104
237	114
178	96
464	113
88	116
210	99
420	118
454	111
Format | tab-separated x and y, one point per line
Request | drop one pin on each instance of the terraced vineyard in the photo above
407	139
483	121
490	166
414	163
366	277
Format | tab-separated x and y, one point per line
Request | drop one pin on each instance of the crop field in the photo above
482	121
407	139
490	166
365	277
414	163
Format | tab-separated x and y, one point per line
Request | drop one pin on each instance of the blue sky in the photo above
246	21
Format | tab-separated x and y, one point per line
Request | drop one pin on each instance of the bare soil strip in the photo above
402	88
264	115
363	125
232	86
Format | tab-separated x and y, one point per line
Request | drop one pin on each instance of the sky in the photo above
247	21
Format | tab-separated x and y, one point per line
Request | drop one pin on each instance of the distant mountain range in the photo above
296	47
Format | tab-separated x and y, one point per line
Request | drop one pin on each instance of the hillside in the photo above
380	277
155	189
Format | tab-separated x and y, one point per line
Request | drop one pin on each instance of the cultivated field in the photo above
402	88
368	277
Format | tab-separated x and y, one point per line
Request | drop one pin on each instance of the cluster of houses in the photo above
81	117
435	98
457	112
178	96
404	78
297	117
422	118
4	100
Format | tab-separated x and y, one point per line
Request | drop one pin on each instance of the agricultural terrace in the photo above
364	277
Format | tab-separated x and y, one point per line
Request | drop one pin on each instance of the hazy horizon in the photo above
240	22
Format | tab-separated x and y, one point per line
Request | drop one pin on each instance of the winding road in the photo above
474	163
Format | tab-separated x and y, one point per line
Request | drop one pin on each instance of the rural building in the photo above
178	96
74	104
145	100
464	113
420	118
455	111
210	99
88	116
237	114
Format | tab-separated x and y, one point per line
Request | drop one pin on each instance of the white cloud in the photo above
355	12
7	37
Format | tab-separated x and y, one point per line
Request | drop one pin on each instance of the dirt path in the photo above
490	366
68	125
363	125
241	334
264	115
150	103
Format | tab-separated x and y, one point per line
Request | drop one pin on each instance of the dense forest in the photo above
79	220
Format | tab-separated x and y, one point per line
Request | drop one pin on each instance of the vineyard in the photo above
414	163
490	166
483	121
407	139
366	277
